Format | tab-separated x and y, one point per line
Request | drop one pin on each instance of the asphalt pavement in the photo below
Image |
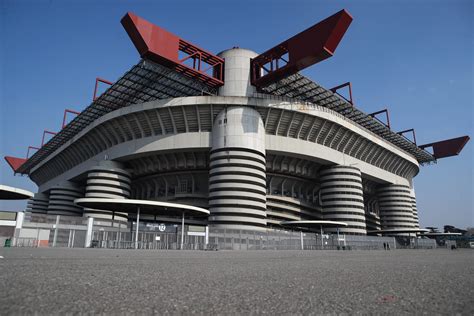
92	281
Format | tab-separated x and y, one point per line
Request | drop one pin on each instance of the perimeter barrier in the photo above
67	231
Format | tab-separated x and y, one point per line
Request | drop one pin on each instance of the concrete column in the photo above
416	222
90	225
56	228
61	199
237	72
301	240
73	237
396	209
38	206
137	229
237	177
108	180
20	217
69	239
343	199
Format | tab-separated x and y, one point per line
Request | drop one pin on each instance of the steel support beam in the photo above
44	134
409	130
28	151
448	147
66	111
347	84
14	162
307	48
160	46
386	116
97	80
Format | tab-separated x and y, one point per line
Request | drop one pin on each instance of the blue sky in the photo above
415	57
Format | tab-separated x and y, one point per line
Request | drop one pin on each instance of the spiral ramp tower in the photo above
343	199
237	178
61	199
38	206
237	173
416	222
108	181
396	208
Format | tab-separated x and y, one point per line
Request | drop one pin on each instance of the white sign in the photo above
196	234
157	238
162	227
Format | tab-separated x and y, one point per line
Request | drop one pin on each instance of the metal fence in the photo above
113	238
406	242
64	231
231	239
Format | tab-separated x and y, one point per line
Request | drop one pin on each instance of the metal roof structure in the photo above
301	88
145	206
164	73
399	231
146	81
11	193
314	223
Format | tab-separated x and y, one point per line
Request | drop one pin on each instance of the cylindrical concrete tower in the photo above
61	199
343	199
107	181
416	222
237	72
396	210
237	178
38	206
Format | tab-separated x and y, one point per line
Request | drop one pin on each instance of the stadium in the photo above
244	136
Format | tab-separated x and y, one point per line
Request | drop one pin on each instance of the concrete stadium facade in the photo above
253	160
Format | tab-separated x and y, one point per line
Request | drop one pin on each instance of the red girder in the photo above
15	162
44	134
412	130
28	152
347	84
66	111
160	46
304	49
386	116
448	147
97	80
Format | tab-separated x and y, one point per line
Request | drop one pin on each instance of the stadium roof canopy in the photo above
146	81
144	206
11	193
301	88
163	74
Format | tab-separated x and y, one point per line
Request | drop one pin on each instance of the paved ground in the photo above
58	281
